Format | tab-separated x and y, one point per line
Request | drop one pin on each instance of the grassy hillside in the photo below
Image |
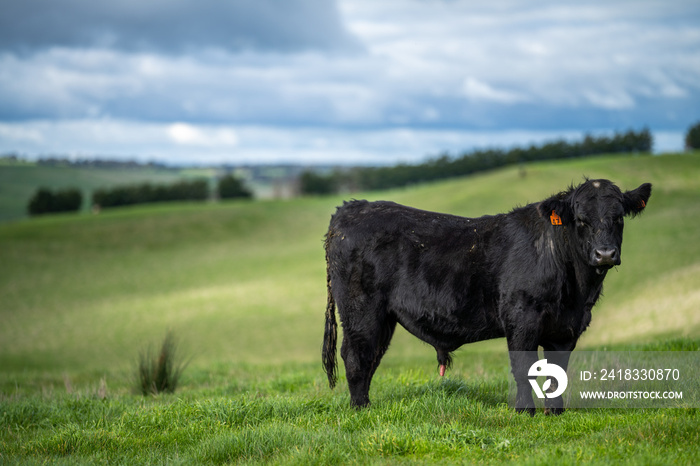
208	271
243	286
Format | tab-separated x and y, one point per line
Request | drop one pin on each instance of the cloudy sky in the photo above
339	81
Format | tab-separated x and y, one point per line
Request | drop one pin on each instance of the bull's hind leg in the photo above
362	351
386	333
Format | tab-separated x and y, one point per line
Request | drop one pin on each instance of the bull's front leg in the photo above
558	354
520	362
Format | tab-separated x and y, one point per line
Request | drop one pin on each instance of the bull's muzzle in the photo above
606	257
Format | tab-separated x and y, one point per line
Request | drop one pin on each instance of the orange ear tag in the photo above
556	220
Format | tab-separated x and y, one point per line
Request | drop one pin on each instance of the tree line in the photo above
100	163
71	200
196	190
447	166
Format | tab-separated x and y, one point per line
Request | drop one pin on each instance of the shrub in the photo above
45	201
230	187
68	200
160	373
41	201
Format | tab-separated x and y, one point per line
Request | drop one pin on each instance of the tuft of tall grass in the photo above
160	372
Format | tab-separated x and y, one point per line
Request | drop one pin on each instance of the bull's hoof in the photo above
554	411
530	411
358	405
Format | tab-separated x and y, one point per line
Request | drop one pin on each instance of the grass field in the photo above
242	284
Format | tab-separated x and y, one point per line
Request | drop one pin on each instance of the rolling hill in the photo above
242	285
244	281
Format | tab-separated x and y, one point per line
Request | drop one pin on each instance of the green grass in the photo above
242	285
286	415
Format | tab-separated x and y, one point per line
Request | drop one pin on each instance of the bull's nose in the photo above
607	256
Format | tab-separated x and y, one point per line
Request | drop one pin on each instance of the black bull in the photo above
531	275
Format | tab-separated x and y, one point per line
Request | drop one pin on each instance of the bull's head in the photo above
594	214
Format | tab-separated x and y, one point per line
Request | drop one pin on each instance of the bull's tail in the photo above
330	335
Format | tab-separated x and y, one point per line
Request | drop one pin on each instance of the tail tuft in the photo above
330	335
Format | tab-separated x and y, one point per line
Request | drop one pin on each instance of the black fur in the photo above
453	280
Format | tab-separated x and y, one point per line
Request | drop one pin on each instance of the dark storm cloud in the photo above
174	26
234	80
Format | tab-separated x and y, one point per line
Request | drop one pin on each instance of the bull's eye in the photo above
580	222
620	220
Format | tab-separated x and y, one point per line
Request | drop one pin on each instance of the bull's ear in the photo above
635	201
560	204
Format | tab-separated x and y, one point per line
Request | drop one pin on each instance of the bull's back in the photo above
427	268
387	223
364	219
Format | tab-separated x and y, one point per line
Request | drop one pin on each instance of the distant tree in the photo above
313	183
41	202
692	137
195	190
45	201
644	140
68	200
230	187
